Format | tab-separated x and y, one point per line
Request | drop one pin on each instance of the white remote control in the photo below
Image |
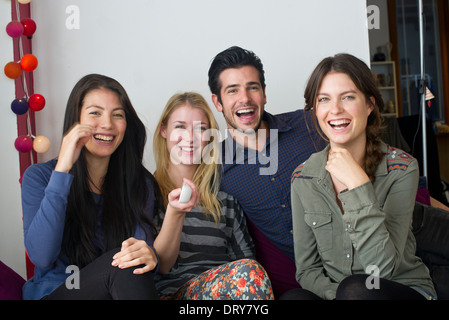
186	193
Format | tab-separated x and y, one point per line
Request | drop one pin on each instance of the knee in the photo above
250	267
250	278
352	287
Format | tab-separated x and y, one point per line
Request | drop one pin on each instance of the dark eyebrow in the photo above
349	91
100	107
231	86
94	106
252	83
342	93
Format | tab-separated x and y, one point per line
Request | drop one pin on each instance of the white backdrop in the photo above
156	48
12	250
159	47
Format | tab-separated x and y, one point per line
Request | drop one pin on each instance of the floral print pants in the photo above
243	279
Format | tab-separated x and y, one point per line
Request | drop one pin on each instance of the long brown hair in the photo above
364	80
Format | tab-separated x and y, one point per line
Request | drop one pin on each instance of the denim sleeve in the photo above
44	202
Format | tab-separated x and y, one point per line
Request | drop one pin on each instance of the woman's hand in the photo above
342	166
168	241
181	207
71	146
134	253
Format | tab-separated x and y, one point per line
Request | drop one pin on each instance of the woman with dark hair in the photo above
91	208
352	203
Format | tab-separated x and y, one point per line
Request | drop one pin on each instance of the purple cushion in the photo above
280	268
423	196
10	283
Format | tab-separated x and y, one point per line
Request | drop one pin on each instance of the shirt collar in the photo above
317	167
274	122
316	164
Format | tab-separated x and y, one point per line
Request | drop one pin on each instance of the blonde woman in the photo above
204	246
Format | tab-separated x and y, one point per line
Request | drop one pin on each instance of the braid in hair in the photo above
374	154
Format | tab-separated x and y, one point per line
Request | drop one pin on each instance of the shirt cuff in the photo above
358	198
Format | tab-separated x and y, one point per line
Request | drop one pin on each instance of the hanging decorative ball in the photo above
23	144
24	1
41	144
13	70
28	62
29	27
19	106
36	102
14	29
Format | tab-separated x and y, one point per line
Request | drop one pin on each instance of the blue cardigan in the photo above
44	200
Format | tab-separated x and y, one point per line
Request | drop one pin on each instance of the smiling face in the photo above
242	98
342	111
184	134
103	111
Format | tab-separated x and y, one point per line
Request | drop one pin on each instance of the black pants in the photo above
101	281
354	288
430	227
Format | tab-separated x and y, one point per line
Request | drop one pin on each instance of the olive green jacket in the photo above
373	236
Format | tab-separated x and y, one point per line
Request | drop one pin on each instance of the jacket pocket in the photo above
321	225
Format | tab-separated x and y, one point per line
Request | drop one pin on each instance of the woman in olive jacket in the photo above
352	203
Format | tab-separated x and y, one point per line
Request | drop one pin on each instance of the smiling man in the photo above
241	98
259	155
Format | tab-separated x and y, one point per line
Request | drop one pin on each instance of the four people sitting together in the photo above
299	205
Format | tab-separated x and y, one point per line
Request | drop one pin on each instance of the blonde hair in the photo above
207	175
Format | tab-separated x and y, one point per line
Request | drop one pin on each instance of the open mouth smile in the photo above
104	138
246	114
187	149
339	124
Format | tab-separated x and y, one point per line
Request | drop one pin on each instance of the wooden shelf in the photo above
385	74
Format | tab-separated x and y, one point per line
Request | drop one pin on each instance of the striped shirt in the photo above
206	244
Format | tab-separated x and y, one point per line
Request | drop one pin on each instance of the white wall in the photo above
12	250
156	48
159	47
